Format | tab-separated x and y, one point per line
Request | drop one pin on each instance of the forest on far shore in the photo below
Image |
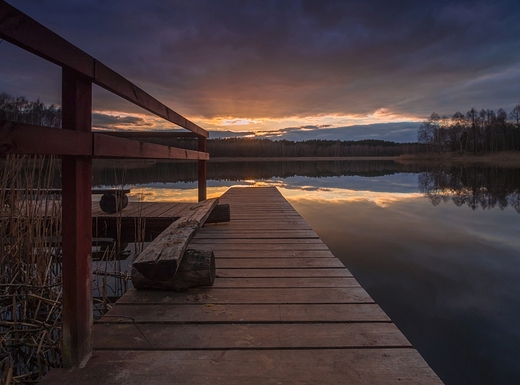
484	131
474	132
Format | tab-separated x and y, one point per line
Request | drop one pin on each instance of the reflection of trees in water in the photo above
485	187
171	172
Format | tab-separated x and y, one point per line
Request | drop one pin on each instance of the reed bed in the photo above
30	269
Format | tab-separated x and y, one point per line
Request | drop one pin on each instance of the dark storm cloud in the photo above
395	132
403	132
277	59
112	122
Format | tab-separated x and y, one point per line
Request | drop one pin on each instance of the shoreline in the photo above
504	159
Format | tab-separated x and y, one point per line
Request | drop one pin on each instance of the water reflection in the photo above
130	172
472	186
447	277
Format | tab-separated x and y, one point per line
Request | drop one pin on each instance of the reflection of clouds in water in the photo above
403	182
339	195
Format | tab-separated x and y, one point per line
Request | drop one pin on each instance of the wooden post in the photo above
77	224
202	169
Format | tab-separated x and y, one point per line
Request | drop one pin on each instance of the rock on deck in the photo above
283	310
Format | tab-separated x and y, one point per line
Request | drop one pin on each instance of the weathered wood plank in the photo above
273	254
197	268
284	282
282	273
257	313
264	295
243	263
210	233
111	146
252	367
263	246
246	336
161	259
256	242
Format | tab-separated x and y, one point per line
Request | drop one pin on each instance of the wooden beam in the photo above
161	259
202	182
111	146
197	268
24	32
22	138
112	81
149	134
77	224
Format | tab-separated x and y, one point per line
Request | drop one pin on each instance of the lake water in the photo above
437	249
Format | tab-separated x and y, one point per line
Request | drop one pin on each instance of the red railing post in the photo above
77	224
202	185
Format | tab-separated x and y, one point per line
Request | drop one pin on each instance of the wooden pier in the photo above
283	310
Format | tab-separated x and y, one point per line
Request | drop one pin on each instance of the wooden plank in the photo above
150	134
273	254
280	263
22	138
257	242
236	313
284	282
161	259
210	233
265	295
282	273
110	146
262	246
252	367
254	226
246	336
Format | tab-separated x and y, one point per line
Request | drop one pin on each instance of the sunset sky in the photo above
301	69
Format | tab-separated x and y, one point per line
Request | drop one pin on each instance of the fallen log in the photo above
197	268
161	259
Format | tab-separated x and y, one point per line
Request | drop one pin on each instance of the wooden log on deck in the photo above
161	259
221	213
113	202
197	268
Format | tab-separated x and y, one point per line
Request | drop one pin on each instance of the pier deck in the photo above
283	310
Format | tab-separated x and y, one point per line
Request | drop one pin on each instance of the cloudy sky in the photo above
296	68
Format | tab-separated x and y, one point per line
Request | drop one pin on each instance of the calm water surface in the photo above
438	250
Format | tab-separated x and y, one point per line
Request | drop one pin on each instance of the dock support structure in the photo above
77	224
202	169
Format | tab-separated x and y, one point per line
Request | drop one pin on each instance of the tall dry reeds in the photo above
30	269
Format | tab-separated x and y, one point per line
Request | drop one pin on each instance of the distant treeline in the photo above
475	132
245	147
19	109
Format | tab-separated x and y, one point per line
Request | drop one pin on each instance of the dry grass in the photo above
30	270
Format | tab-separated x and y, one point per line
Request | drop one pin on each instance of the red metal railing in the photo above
77	144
